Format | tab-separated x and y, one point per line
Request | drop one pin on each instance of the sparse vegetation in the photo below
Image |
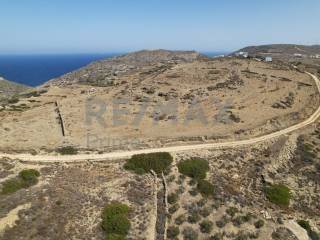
194	217
259	223
206	226
278	194
69	150
26	179
143	163
173	232
13	100
194	168
180	219
232	211
205	188
115	221
312	234
173	198
189	234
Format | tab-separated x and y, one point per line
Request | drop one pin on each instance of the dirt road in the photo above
127	154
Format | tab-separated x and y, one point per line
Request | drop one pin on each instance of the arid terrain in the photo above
158	101
151	99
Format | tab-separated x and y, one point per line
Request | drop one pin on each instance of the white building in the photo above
298	55
242	54
268	59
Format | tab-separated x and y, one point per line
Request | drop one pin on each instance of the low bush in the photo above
206	226
278	194
189	234
205	188
304	224
173	198
222	222
232	211
69	150
194	218
217	236
29	177
180	219
194	168
174	208
115	221
173	232
312	234
205	212
241	219
25	179
144	163
11	186
13	100
115	237
259	224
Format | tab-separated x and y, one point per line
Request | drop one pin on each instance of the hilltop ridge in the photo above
9	88
284	49
105	72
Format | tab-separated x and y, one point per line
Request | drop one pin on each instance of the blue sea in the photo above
34	70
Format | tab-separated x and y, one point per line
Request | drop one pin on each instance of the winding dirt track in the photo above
127	154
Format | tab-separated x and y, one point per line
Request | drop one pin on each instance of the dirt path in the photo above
127	154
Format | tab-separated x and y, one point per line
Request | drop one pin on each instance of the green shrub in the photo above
143	163
312	234
115	220
194	218
232	211
11	186
206	226
205	212
194	168
173	232
173	198
115	237
278	194
189	234
241	219
13	100
69	150
205	188
222	222
29	177
118	224
193	192
217	236
180	219
174	208
25	179
304	224
259	224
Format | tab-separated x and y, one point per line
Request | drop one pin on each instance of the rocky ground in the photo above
68	201
160	98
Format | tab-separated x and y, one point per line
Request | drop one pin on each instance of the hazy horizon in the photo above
73	27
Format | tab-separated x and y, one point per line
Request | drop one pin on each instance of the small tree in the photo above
205	188
194	168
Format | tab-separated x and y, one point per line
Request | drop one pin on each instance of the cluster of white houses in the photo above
269	58
246	55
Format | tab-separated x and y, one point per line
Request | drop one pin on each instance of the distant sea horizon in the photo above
36	69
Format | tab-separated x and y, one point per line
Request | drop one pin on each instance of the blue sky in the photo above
90	26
